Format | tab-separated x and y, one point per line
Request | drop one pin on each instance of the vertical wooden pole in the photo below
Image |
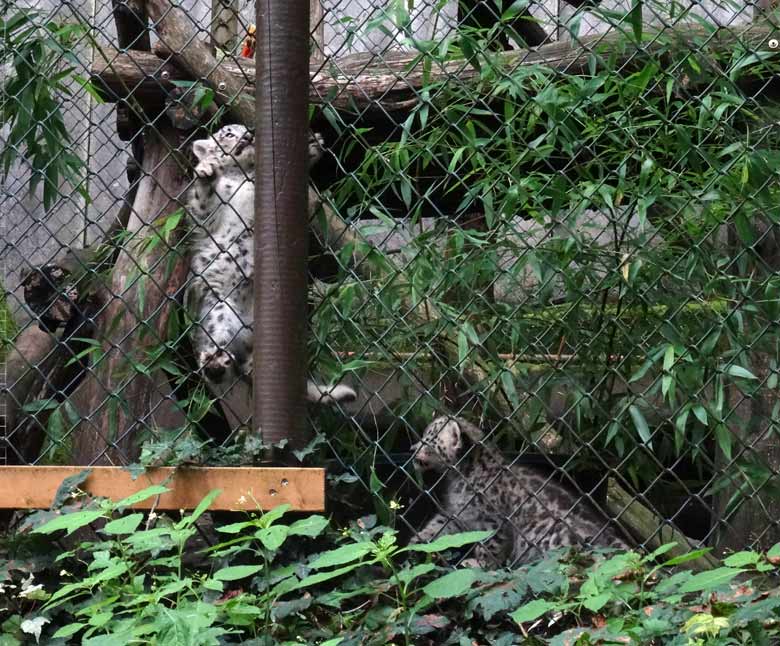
281	220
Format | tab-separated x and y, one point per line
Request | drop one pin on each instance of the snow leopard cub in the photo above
221	205
529	513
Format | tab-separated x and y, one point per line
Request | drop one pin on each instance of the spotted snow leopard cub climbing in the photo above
529	512
219	293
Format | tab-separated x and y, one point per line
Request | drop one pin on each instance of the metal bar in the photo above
281	221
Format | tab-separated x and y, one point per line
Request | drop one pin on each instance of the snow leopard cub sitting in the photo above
529	512
219	293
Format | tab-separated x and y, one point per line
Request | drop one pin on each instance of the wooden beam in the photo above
243	488
392	81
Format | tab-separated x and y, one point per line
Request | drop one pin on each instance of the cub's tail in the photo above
329	395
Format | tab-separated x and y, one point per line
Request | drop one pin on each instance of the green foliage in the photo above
8	327
40	53
658	317
278	581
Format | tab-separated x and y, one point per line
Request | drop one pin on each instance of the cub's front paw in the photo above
206	170
215	365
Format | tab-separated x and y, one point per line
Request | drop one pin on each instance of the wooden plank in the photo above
393	80
243	488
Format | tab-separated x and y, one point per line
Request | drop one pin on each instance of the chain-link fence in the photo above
554	221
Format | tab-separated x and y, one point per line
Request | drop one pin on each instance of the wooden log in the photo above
177	31
243	488
651	530
361	81
115	400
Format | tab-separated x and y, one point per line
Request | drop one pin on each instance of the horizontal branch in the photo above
392	80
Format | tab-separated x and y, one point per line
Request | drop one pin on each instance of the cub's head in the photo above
443	442
230	145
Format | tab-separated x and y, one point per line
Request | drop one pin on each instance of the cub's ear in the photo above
201	148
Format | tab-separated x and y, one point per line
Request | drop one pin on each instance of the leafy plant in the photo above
267	581
579	249
40	54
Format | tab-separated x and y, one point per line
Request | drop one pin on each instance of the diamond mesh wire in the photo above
573	246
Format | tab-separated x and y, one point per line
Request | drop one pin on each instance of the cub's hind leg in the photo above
220	339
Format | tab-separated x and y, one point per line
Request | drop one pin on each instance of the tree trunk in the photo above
116	400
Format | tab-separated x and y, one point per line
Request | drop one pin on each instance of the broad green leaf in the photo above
641	425
660	551
311	526
741	559
290	585
140	496
597	602
341	555
470	332
532	610
669	358
235	528
203	505
68	630
740	372
701	414
514	10
774	551
690	556
270	517
451	541
725	439
508	384
124	525
635	18
235	572
710	579
410	574
463	349
451	585
272	537
69	522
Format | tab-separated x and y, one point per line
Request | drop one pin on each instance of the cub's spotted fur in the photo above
529	513
219	293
